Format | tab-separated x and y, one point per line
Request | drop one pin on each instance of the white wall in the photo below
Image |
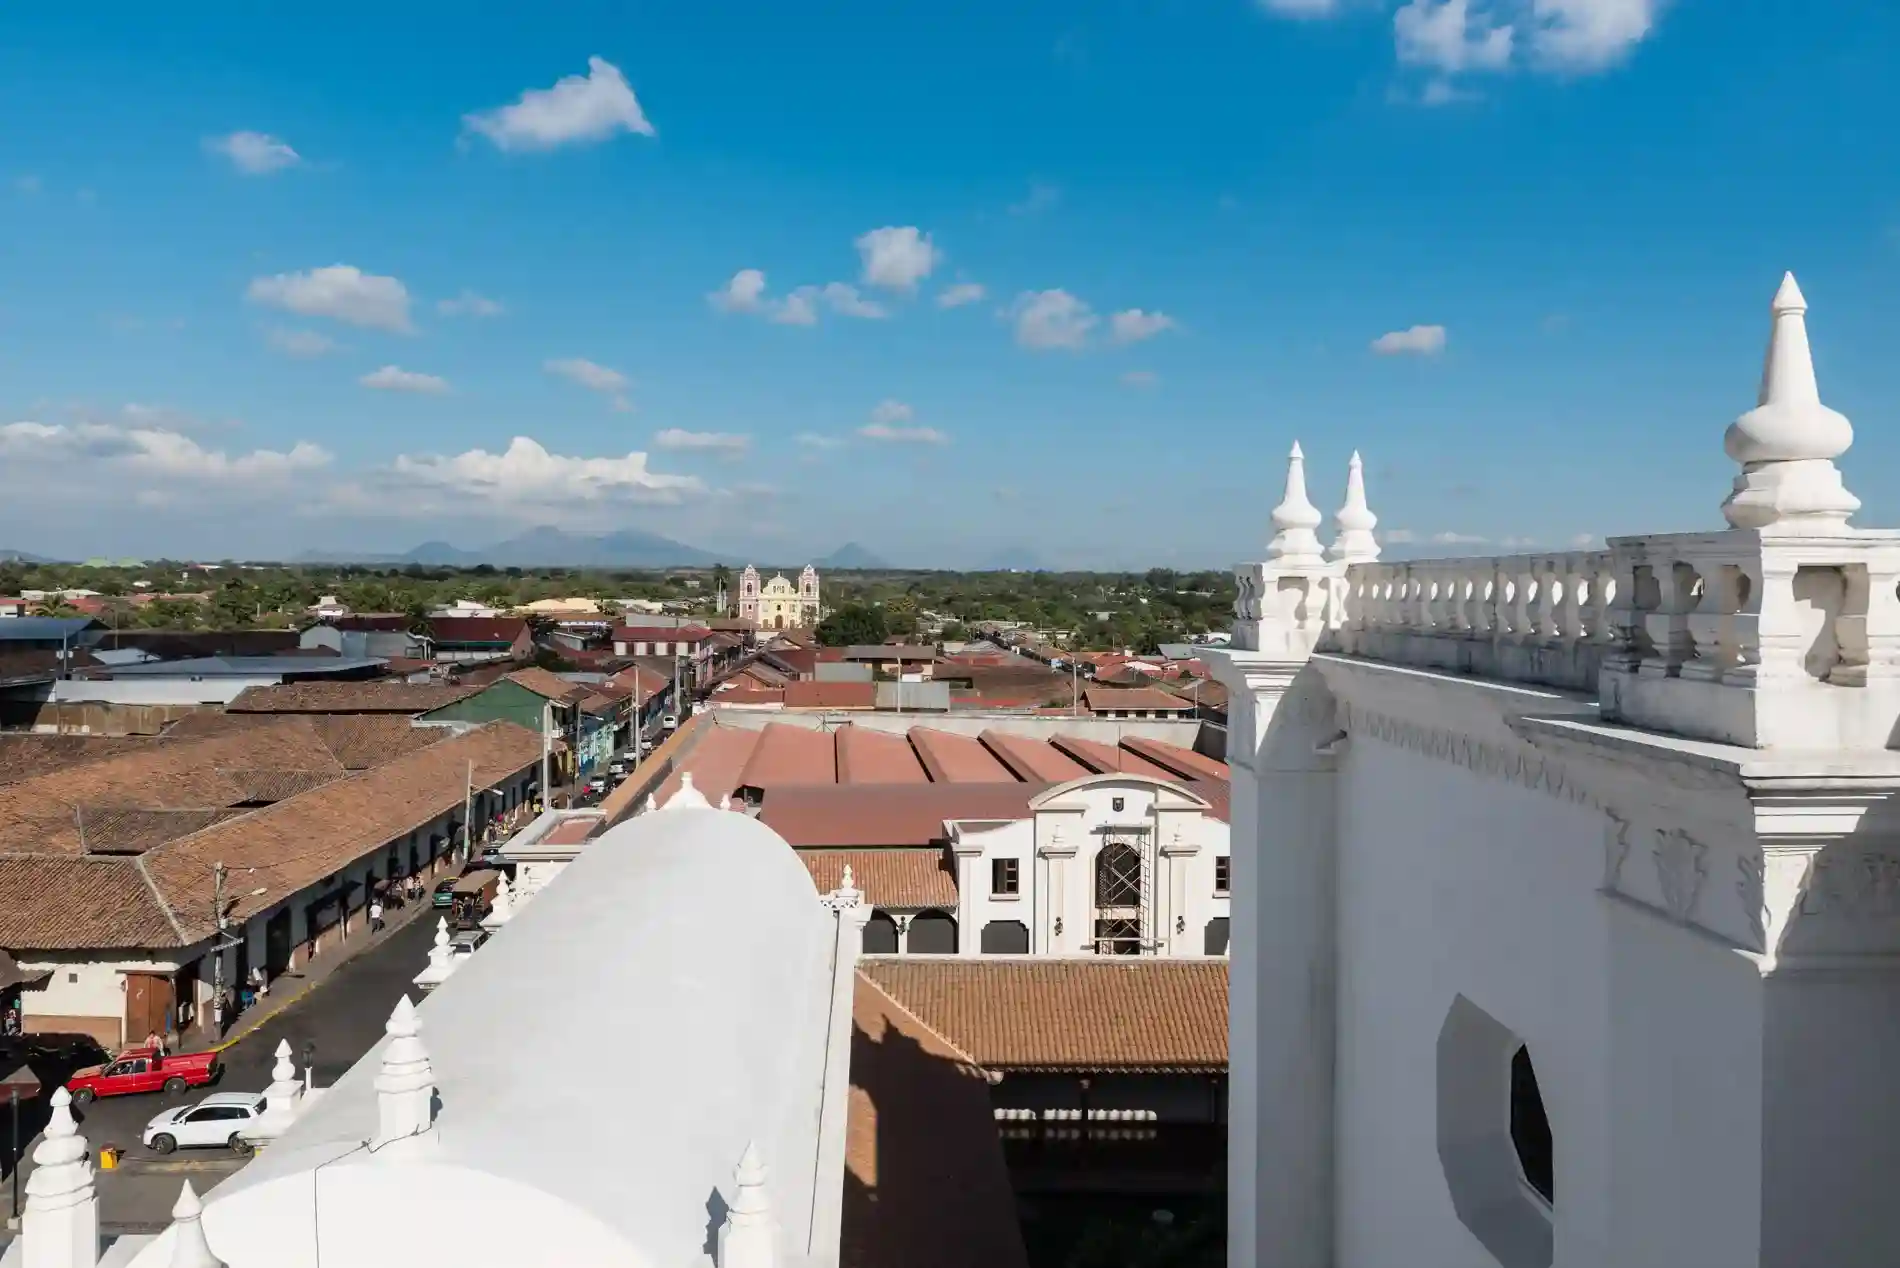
1645	1033
1105	730
157	690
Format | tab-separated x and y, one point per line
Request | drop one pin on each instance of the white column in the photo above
852	913
405	1085
969	856
59	1227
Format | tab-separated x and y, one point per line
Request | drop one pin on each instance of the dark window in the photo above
880	935
932	933
1118	876
216	1114
1216	936
1530	1128
1005	937
1004	878
1223	873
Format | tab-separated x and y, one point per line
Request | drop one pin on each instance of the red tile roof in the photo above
1087	1014
477	629
748	696
1030	759
950	758
876	757
888	878
790	755
878	815
1107	759
375	696
1118	699
547	684
830	695
1183	762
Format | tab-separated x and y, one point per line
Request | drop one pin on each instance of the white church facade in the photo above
779	604
1567	886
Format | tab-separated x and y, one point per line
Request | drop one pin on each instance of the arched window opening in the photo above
880	934
1118	895
932	933
1005	937
1530	1128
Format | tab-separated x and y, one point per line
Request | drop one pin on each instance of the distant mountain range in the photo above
849	556
543	547
22	557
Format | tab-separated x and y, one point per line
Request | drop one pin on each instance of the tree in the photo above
852	624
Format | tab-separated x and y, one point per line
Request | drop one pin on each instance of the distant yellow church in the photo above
778	604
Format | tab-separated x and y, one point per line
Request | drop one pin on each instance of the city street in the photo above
341	1016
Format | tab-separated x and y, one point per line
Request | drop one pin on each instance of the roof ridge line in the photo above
906	1009
164	905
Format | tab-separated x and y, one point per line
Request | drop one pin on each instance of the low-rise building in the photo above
475	639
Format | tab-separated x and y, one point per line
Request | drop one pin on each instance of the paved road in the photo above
342	1016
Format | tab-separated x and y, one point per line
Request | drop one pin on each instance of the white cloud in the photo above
1455	539
1132	325
812	440
300	343
1301	8
1042	197
1583	541
469	304
674	438
1587	35
144	454
844	300
1399	537
595	378
890	421
1420	341
959	295
576	110
745	293
395	379
1447	36
1140	378
341	292
798	309
256	153
897	259
526	479
1052	319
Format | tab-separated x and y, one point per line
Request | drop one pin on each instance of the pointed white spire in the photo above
190	1249
1355	543
847	881
746	1237
651	805
441	963
503	908
284	1070
1787	444
725	801
688	797
405	1085
59	1226
1294	520
282	1096
440	949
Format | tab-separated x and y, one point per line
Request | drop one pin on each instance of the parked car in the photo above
443	894
467	942
669	723
596	787
143	1070
219	1120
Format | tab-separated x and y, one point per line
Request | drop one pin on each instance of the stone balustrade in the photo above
1536	618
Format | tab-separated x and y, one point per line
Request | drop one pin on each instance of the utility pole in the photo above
217	943
547	753
468	813
639	719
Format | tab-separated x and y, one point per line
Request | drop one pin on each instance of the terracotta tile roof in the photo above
748	696
1152	699
789	755
376	696
294	843
25	756
879	815
547	684
1089	1013
717	757
42	814
1106	758
1182	762
889	878
950	758
53	903
134	830
925	1181
357	740
876	757
1031	759
477	629
830	695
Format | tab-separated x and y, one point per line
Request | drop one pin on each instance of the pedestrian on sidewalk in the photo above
260	980
155	1042
375	915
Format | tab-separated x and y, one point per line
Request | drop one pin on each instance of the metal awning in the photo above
11	974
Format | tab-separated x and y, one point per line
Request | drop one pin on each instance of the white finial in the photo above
688	797
746	1238
1355	543
847	881
1294	520
441	936
1787	444
725	801
59	1225
405	1084
285	1070
190	1249
651	805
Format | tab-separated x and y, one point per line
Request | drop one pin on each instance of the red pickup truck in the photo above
143	1070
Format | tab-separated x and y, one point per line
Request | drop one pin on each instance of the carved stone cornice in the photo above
1520	765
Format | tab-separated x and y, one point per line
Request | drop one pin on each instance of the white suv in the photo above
219	1119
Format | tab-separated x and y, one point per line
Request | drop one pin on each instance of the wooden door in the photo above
148	1001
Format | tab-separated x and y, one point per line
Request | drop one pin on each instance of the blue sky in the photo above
269	283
